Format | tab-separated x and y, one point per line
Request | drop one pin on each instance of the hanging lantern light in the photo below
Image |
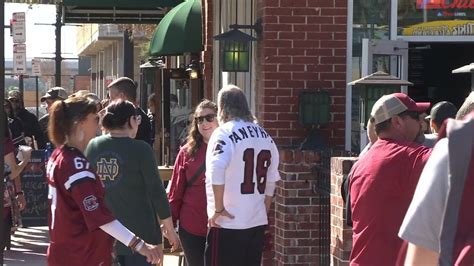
235	50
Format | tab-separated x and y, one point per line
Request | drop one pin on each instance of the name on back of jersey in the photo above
248	132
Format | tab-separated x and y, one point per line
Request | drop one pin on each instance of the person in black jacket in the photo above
51	96
126	89
14	124
30	123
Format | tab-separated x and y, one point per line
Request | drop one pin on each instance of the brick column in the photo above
207	37
341	234
297	210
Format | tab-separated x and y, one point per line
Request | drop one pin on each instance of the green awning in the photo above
180	31
116	11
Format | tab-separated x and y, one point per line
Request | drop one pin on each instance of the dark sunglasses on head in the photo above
209	118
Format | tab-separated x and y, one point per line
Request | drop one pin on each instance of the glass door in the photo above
387	56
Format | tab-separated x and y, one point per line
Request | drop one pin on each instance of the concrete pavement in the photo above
29	248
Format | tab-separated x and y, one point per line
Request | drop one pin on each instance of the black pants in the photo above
133	260
234	247
5	231
193	247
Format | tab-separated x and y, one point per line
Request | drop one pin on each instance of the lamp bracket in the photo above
257	26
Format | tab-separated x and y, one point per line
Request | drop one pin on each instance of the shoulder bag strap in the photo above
196	175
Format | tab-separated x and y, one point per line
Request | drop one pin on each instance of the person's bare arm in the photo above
19	194
168	231
268	202
219	205
417	255
16	168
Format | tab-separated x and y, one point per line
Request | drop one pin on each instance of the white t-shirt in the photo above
422	223
243	157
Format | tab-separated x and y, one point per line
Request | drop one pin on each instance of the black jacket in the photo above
31	127
144	129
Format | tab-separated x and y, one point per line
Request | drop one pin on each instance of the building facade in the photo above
104	45
320	46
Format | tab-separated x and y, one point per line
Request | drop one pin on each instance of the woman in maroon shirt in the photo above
187	194
14	174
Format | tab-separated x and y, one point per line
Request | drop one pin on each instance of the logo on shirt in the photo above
219	147
90	203
107	169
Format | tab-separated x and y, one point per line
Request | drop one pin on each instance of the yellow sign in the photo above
441	28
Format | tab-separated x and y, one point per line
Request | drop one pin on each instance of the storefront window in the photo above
435	17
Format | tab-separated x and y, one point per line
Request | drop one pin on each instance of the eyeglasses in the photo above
209	118
14	100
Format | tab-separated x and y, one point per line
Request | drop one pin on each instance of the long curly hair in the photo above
194	139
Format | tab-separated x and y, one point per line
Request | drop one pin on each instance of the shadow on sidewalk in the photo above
28	247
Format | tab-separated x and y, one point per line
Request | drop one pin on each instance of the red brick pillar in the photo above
297	210
341	234
207	37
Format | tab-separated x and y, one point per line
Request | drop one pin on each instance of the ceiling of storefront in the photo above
110	11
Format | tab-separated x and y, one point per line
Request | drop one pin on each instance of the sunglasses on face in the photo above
14	100
209	118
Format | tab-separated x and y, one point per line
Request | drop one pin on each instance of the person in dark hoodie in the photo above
126	89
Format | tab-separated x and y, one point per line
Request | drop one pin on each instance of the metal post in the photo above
127	54
21	87
2	93
58	57
37	96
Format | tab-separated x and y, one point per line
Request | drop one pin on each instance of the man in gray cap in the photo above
30	123
383	183
52	95
439	112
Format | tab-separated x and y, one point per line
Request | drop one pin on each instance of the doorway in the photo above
429	69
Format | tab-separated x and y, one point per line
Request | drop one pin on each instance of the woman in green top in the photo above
133	188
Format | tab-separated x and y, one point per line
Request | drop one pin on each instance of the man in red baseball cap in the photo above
383	182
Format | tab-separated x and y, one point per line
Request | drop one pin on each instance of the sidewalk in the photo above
29	248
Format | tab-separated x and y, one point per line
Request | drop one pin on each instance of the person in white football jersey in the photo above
241	171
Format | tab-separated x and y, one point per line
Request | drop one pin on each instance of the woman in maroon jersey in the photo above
187	194
82	229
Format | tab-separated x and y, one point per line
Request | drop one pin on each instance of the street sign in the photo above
19	59
18	27
36	67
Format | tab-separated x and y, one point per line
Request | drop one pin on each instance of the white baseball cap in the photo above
393	104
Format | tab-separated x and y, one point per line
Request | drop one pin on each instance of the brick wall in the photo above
341	234
303	46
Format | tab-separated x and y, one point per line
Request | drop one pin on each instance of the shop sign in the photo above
441	28
443	4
